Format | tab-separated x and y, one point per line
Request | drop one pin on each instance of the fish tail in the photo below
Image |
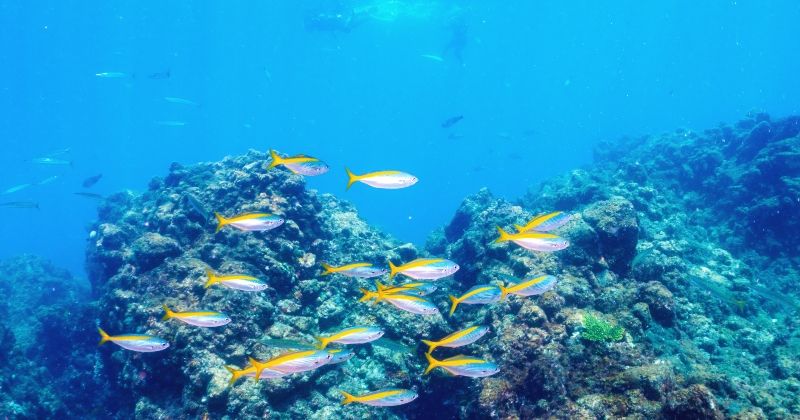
212	278
328	269
351	178
379	286
347	398
432	363
276	160
431	345
221	221
367	295
258	366
454	304
394	270
235	374
323	342
103	336
503	292
167	312
504	236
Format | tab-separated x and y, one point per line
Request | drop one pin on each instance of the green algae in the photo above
596	329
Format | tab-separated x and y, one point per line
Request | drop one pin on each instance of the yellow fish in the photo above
535	241
545	222
362	270
390	180
460	338
250	222
300	164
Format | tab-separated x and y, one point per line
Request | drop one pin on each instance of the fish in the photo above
20	204
413	304
459	338
51	161
89	182
545	222
90	195
340	355
170	123
452	121
111	75
180	101
461	365
481	294
198	319
354	335
534	241
293	362
415	288
432	57
283	343
135	342
530	287
58	152
382	398
48	180
388	180
15	188
393	345
236	282
300	164
160	75
250	372
424	269
361	270
198	207
250	222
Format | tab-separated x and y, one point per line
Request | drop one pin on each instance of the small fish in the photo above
432	57
111	75
459	338
340	355
461	365
15	188
180	101
413	304
198	207
89	182
283	343
354	335
250	372
90	195
361	270
199	319
545	222
51	161
135	342
171	123
293	362
452	121
20	204
236	282
300	164
415	288
382	398
534	241
393	345
424	269
250	222
478	295
48	180
530	287
160	75
388	180
58	152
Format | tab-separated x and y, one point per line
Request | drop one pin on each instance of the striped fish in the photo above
250	222
534	241
461	365
300	164
546	222
382	398
481	294
354	335
236	282
459	338
135	342
530	287
199	319
424	269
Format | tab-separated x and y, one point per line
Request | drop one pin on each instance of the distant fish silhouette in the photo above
111	75
15	188
20	204
90	195
47	180
171	123
181	101
160	75
432	57
452	121
89	182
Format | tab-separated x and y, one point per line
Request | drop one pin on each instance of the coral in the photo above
595	329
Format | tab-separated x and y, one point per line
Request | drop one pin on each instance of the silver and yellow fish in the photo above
530	287
481	294
424	269
235	281
389	180
353	335
361	270
250	222
382	398
534	241
459	338
545	222
300	164
461	365
199	319
293	362
134	342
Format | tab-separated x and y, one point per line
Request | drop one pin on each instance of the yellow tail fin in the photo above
504	236
503	292
519	228
432	363
367	295
168	313
393	270
276	160
103	336
347	398
431	345
235	374
454	305
221	221
212	278
328	269
323	342
351	178
258	366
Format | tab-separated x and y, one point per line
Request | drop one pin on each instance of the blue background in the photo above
539	85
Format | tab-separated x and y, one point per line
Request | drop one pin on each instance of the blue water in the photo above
538	85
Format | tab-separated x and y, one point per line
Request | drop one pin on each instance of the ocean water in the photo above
538	86
681	252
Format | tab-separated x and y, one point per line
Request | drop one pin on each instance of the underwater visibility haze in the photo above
400	209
